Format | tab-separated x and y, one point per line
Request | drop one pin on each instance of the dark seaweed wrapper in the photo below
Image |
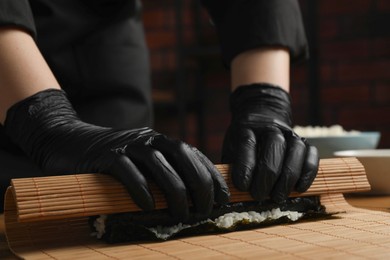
127	227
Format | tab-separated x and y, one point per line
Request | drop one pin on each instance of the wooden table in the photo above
363	201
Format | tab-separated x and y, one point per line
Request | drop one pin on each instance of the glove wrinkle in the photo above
120	150
135	183
154	163
245	161
292	167
221	193
242	176
310	169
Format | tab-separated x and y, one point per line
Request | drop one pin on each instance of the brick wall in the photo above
353	69
354	65
204	74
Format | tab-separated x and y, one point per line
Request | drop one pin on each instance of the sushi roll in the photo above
159	225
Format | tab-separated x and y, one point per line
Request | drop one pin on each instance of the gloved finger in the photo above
193	172
125	171
165	177
269	163
292	169
244	163
221	190
310	169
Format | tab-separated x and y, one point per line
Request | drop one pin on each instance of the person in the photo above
75	98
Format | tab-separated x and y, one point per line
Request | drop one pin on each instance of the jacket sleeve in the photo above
246	24
17	13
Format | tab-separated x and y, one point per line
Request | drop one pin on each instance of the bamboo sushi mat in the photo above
354	233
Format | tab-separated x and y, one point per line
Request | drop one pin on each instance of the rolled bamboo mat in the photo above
56	197
354	233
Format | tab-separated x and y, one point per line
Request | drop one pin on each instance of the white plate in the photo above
377	165
364	153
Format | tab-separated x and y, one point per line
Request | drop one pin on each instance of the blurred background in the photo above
346	81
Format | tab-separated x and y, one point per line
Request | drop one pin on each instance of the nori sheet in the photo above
128	227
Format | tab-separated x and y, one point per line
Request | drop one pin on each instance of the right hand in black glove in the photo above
268	158
47	128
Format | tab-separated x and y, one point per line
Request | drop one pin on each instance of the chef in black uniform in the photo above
75	98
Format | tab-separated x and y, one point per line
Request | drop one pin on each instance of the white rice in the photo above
319	131
229	219
100	226
225	221
165	232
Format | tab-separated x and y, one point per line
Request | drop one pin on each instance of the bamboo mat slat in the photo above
55	223
79	195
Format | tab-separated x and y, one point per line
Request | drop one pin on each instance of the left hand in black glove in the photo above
267	157
47	128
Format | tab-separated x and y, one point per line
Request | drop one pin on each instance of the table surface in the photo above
363	201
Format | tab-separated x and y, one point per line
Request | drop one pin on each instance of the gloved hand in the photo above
47	128
268	158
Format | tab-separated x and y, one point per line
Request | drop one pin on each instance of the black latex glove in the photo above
267	157
47	128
